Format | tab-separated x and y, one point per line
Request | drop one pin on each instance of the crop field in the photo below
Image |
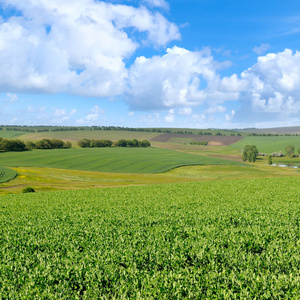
121	160
7	174
7	134
234	239
268	144
75	136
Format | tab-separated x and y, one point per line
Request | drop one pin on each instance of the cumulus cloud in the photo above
75	47
274	83
178	78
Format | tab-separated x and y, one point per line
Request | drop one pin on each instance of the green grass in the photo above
7	174
268	144
7	134
208	240
121	160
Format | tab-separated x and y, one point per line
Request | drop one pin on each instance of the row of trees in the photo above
17	145
86	143
12	145
49	144
132	143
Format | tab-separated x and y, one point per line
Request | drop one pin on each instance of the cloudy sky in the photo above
150	63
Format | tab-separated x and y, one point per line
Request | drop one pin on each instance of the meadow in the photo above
221	239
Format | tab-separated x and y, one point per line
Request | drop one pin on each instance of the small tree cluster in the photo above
250	153
132	143
12	145
49	144
86	143
289	150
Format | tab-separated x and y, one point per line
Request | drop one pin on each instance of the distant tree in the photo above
289	150
270	161
135	143
43	144
84	143
68	145
28	190
145	143
250	153
121	143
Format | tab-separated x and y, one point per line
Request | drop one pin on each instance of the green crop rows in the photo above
121	160
7	174
220	240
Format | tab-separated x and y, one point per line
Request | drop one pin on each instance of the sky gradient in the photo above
150	63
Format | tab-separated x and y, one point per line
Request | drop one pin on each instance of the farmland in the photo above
120	160
172	221
220	239
7	174
269	144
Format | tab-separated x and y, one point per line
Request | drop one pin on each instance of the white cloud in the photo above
261	49
11	98
94	115
228	117
169	118
179	78
61	115
215	109
157	3
274	83
75	47
185	111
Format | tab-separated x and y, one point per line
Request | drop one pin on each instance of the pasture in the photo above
220	239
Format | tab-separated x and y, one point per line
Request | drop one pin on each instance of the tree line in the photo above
8	145
86	143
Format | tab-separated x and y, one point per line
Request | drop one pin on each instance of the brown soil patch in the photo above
214	140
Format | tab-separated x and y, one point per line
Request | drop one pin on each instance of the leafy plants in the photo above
222	239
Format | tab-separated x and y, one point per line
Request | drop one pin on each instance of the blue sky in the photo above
150	63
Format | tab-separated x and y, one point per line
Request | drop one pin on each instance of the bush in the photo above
28	190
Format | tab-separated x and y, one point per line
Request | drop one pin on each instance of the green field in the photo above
268	144
7	134
75	136
7	174
121	160
235	239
